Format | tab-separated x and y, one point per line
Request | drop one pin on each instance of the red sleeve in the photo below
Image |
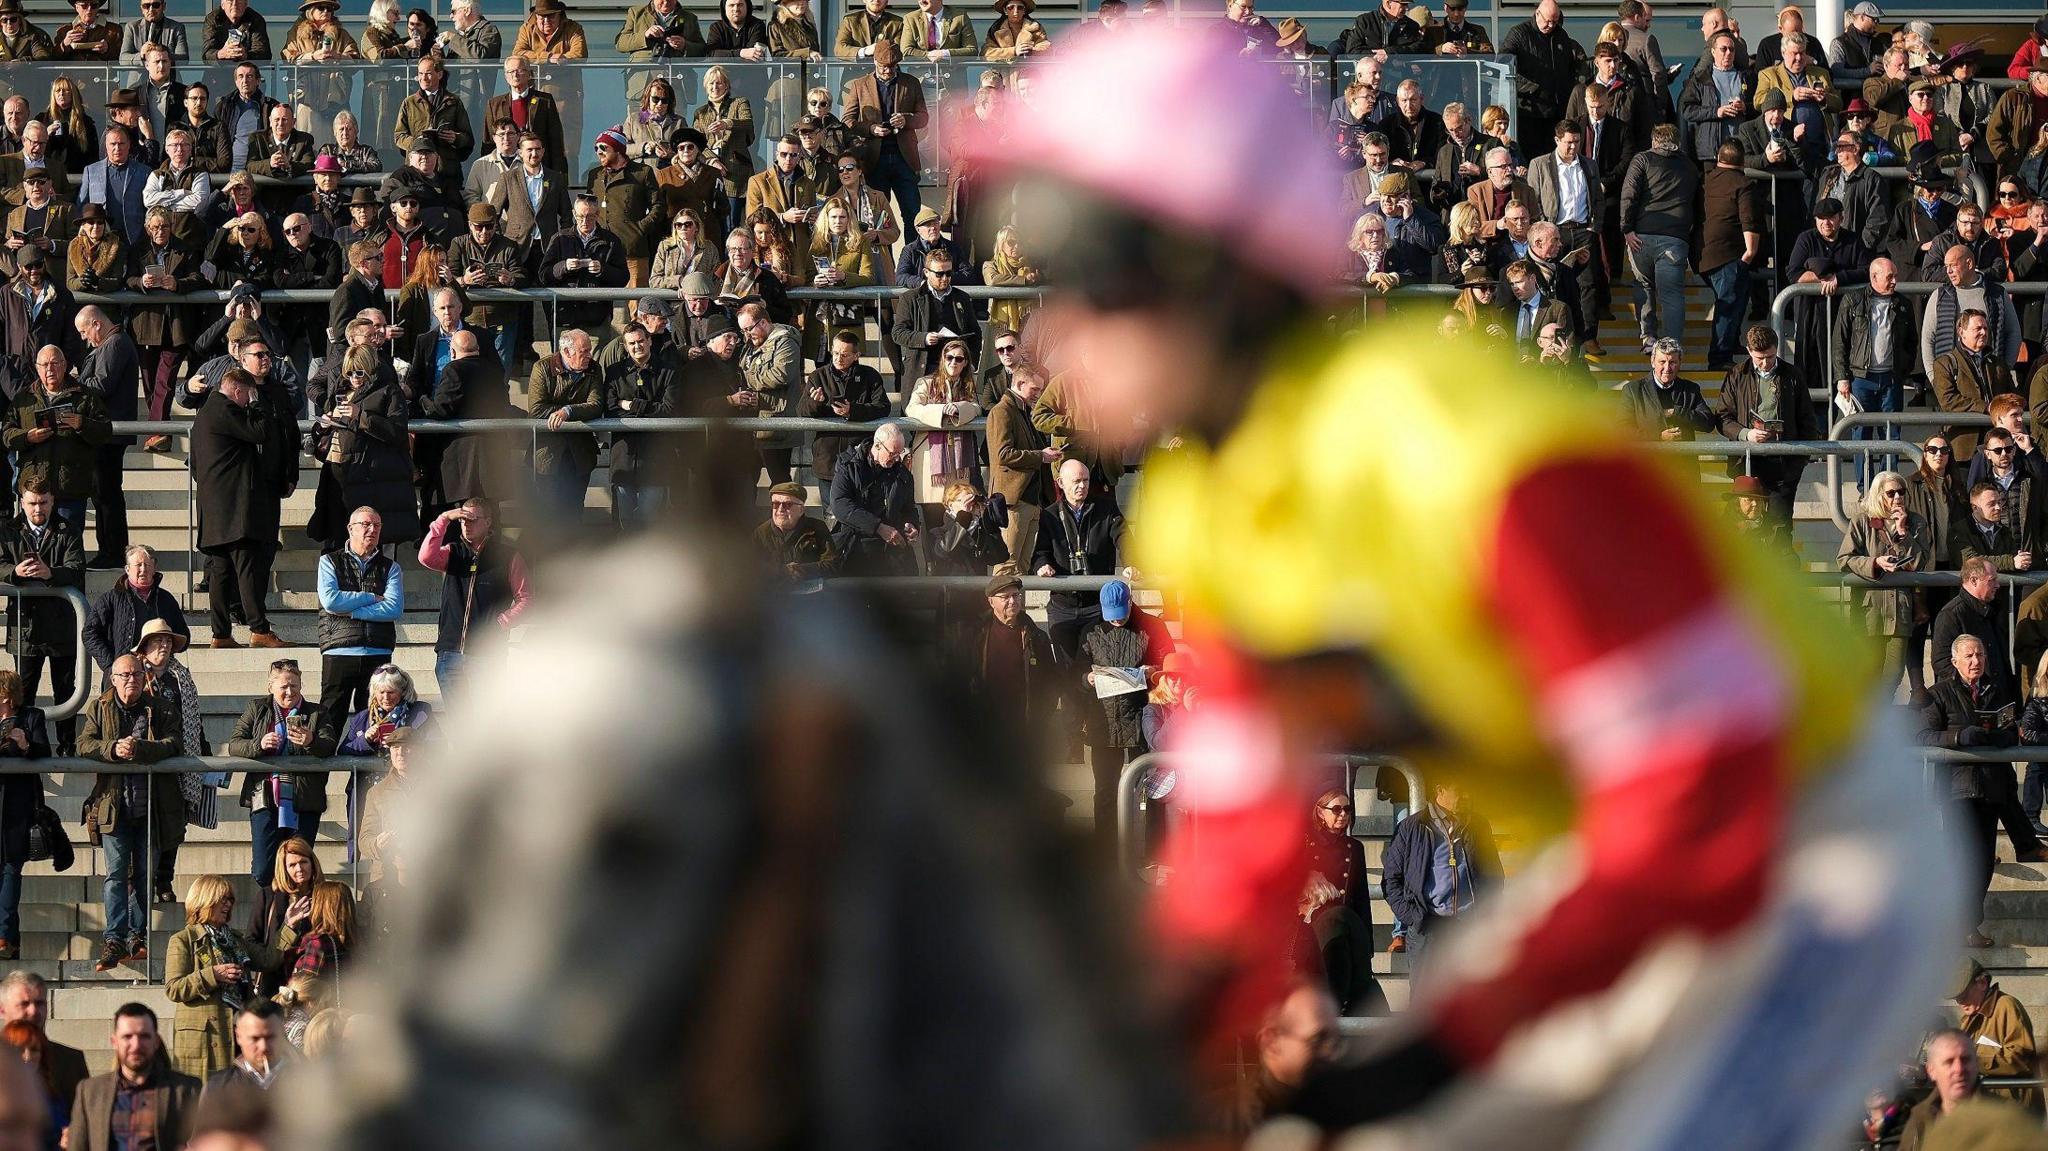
2023	60
434	548
515	573
1667	712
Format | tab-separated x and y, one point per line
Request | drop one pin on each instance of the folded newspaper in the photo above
1111	681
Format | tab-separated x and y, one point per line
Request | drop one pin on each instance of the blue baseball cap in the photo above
1116	600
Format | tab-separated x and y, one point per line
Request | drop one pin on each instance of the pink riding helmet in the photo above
1172	122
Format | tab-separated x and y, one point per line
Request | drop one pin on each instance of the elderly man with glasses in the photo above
280	724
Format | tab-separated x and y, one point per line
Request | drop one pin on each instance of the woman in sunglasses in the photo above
1937	494
651	132
944	399
242	254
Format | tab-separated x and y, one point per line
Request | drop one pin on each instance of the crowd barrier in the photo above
1131	802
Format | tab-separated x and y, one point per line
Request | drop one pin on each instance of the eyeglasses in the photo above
259	353
284	665
124	675
1845	146
1344	807
1936	449
2008	194
942	273
849	170
817	103
1895	493
294	229
785	505
1005	349
686	225
956	359
1991	451
659	100
781	155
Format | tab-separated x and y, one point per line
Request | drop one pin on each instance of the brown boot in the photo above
225	641
265	639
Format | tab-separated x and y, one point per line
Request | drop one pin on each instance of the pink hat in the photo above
614	137
1175	123
325	163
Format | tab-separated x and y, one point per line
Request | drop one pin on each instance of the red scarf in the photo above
1923	125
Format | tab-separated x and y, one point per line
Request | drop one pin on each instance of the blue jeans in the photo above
506	338
1730	283
1400	928
637	505
1659	269
73	512
265	835
124	855
895	176
562	489
1878	392
10	902
448	672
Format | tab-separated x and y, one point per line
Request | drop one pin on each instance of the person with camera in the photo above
970	531
361	442
24	734
1971	708
129	815
279	726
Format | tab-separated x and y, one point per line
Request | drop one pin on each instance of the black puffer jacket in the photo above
865	496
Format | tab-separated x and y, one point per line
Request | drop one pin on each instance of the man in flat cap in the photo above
794	544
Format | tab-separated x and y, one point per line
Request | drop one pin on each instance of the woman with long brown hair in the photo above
944	399
331	930
651	131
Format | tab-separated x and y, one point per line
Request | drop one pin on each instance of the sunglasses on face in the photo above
1006	349
956	359
942	273
848	170
1936	449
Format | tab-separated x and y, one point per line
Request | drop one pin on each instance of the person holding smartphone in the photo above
279	725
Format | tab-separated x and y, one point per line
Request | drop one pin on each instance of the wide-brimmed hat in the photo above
88	212
364	197
157	627
10	7
1477	277
124	98
1745	486
688	136
1961	54
1291	32
1030	6
1859	107
548	8
309	5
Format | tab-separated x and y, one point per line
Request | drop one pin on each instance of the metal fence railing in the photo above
1132	802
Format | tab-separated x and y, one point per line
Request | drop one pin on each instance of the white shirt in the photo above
1572	205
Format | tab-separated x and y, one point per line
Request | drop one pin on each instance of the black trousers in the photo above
345	685
239	573
63	678
1980	828
1592	277
109	502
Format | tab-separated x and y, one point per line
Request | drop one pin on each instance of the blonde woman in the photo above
383	89
210	972
96	260
1010	269
1464	247
727	122
242	253
841	257
686	249
74	134
944	399
1889	538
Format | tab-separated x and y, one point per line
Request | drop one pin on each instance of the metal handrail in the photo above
199	764
539	294
1130	857
75	702
1781	321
